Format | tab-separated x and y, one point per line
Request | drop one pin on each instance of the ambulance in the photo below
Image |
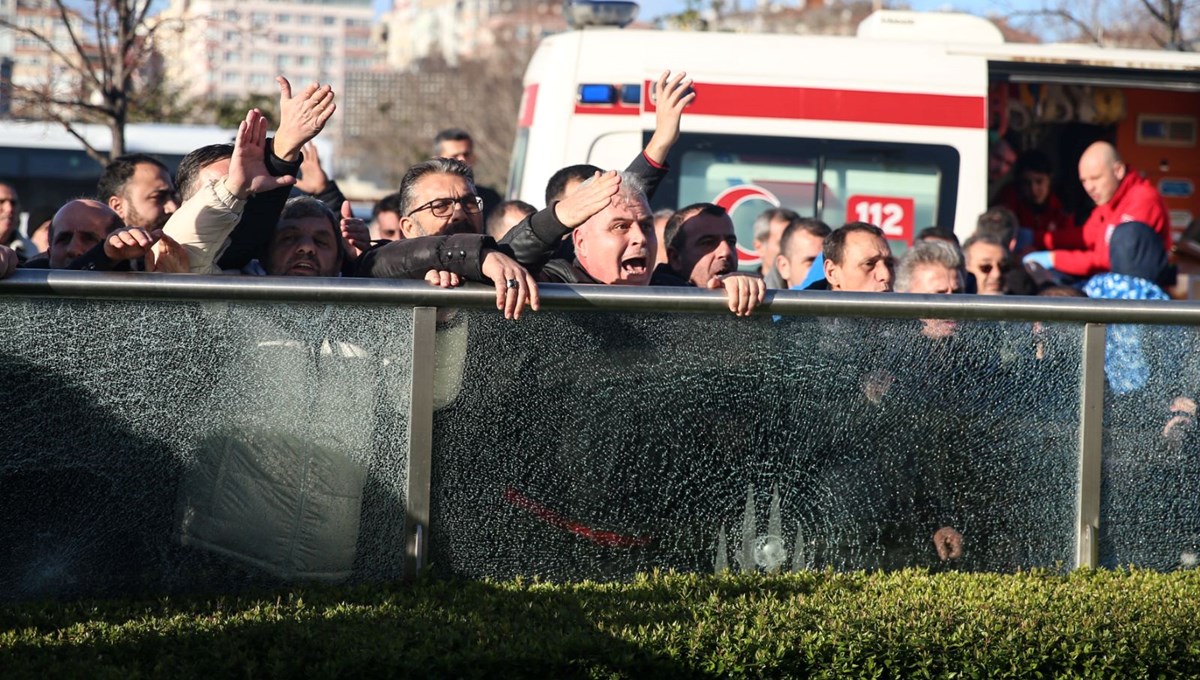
914	122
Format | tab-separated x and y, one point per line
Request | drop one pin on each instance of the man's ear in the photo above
675	261
117	205
409	228
784	267
1119	170
832	274
580	242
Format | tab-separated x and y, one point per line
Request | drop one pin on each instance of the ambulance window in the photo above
901	198
615	149
902	187
747	184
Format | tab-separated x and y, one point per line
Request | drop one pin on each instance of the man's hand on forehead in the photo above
589	199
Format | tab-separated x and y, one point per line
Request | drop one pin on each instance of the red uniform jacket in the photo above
1053	228
1136	200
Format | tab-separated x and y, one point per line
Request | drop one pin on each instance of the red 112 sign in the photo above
892	214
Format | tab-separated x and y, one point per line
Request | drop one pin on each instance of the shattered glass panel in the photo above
1150	485
154	447
597	445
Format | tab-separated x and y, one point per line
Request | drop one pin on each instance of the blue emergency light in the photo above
593	94
597	94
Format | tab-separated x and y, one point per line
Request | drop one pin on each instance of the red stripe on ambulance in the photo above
810	103
607	109
528	104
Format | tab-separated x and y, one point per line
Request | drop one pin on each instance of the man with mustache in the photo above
701	244
306	241
438	197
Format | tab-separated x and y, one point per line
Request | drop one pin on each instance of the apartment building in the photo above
216	49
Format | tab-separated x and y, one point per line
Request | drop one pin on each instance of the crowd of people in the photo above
263	206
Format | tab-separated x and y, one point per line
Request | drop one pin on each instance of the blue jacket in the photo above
1125	363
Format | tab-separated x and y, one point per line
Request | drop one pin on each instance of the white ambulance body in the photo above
892	127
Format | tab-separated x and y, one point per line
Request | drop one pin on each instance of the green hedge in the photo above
907	624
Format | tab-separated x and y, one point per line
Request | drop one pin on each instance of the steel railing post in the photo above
1091	445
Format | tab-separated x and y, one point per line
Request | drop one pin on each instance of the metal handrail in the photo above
142	286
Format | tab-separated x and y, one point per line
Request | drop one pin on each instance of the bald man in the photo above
1121	195
77	227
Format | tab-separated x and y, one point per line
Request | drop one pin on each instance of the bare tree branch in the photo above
1163	24
140	19
52	114
96	155
101	35
65	14
1062	14
46	97
49	44
110	45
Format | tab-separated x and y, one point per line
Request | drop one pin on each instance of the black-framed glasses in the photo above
987	267
444	207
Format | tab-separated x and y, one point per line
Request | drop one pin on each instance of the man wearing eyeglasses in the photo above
437	197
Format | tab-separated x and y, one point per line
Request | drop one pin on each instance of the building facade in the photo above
227	49
454	30
28	64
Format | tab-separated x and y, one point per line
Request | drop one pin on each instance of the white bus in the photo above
49	166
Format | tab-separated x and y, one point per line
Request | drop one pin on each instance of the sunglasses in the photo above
987	268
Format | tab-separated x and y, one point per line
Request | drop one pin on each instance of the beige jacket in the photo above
202	225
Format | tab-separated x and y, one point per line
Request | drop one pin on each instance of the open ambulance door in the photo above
1149	114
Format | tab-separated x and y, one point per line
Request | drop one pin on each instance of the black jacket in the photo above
332	197
538	239
252	234
411	258
570	271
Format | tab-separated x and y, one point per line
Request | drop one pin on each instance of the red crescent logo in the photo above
732	198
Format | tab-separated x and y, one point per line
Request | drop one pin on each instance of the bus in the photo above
48	166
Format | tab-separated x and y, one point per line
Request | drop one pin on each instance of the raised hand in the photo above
355	232
744	291
313	179
588	200
130	243
301	117
671	97
248	173
167	256
514	286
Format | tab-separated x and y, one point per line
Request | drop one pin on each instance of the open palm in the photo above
248	173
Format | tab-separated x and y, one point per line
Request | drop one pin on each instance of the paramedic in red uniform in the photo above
1032	200
1121	195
